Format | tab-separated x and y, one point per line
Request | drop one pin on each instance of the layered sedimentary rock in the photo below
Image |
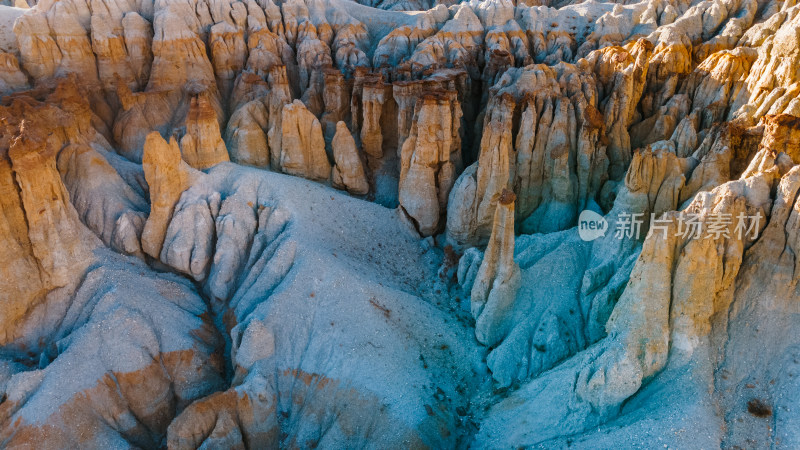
498	278
782	135
430	159
140	113
47	245
621	75
568	285
348	173
476	191
228	55
279	96
54	230
515	240
246	135
44	236
88	175
167	177
22	264
375	97
555	164
753	301
457	44
50	48
771	85
87	329
201	145
717	82
11	77
180	57
302	144
663	320
672	266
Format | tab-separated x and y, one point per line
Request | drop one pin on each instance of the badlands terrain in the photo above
322	223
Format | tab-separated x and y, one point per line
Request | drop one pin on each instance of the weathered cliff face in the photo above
201	145
89	336
664	319
771	85
430	159
167	176
11	76
246	135
302	145
348	173
755	301
461	224
677	311
498	277
87	173
553	159
47	246
569	286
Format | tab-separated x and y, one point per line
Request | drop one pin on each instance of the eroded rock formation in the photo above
167	177
486	223
498	277
430	159
201	145
348	173
302	144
